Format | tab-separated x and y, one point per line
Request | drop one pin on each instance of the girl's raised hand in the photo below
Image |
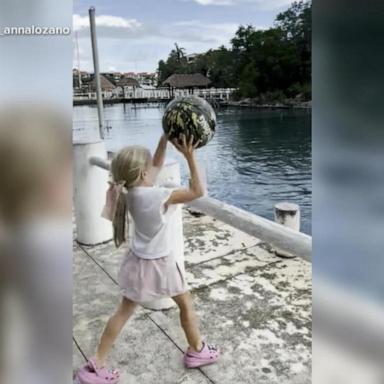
186	148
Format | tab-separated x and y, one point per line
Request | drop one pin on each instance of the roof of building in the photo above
106	84
187	80
128	82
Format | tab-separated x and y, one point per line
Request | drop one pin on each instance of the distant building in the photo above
127	85
80	78
130	74
191	58
116	76
146	78
85	75
114	84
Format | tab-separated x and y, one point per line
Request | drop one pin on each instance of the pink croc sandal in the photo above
208	355
90	374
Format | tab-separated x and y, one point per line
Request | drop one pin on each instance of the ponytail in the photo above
127	167
120	221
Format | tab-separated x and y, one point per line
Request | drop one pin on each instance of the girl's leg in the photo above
113	329
189	321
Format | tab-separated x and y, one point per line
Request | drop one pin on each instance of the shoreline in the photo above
248	103
238	104
118	101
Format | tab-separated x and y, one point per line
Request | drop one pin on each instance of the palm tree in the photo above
180	52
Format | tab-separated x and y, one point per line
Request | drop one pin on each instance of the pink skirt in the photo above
142	280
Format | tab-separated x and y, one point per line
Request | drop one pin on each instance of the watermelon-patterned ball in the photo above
190	115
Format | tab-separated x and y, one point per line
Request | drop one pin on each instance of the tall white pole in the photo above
97	71
78	61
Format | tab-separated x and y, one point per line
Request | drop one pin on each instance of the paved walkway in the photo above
254	305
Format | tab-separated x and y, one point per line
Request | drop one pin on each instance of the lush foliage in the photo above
266	64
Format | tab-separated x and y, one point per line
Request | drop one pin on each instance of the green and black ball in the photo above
190	115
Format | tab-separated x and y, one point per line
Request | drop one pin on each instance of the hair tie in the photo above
112	197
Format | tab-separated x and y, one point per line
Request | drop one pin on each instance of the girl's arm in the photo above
159	156
195	189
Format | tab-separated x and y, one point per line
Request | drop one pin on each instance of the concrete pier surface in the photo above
254	305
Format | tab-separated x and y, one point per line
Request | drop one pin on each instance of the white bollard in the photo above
287	214
90	186
170	175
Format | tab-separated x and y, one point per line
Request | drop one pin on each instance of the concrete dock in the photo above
254	305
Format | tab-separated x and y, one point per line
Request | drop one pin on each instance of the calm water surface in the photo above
256	159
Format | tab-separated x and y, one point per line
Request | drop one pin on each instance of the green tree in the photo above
176	63
218	66
180	53
248	80
296	25
295	22
272	63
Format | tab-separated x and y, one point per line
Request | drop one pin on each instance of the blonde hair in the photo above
127	167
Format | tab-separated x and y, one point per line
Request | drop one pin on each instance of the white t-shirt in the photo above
156	233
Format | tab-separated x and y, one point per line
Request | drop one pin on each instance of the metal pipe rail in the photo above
105	164
279	236
286	239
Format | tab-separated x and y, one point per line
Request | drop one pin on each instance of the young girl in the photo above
150	269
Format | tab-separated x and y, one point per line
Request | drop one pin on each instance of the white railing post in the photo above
90	185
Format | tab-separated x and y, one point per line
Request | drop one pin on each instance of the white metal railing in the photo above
282	237
159	93
132	93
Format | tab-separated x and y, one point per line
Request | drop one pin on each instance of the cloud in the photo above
128	44
215	2
108	21
260	4
190	31
196	31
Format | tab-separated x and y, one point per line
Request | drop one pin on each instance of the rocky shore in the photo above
256	103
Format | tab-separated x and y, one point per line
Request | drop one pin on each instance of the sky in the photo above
133	35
